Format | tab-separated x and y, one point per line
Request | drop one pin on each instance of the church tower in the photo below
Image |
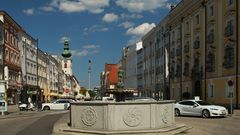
67	62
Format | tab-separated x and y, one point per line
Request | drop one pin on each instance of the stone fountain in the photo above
123	117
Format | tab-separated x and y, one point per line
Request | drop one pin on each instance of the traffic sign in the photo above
230	82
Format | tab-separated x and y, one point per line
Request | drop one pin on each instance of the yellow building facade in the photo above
204	52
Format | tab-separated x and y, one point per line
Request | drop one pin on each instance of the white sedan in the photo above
199	108
59	104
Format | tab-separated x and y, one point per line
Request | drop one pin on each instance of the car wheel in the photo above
46	108
177	112
205	114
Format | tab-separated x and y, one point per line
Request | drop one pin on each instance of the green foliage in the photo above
92	93
75	93
83	91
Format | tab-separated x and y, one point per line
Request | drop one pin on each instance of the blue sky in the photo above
97	29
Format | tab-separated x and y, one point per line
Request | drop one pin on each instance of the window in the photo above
11	39
6	55
197	43
211	62
6	35
197	19
229	2
211	10
229	28
187	27
211	36
210	90
229	56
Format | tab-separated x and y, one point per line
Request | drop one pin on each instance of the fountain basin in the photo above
121	117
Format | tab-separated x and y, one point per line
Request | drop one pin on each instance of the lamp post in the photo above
89	74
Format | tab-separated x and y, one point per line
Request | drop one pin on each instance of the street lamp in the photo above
89	74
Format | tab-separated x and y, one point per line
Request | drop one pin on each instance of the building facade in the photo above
197	44
42	74
29	66
11	58
149	85
140	58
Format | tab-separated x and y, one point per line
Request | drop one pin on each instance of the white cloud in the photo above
63	38
47	8
94	28
86	50
139	6
141	29
79	53
70	6
110	17
29	11
126	24
130	16
91	46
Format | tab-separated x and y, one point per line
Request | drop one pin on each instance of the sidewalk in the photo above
13	112
236	113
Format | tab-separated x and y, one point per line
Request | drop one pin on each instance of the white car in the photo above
199	108
59	104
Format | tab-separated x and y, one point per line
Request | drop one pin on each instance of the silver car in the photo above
199	108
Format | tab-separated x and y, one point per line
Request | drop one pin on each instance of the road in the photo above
33	124
211	126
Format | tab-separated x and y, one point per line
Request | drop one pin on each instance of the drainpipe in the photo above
38	88
237	66
205	52
181	89
169	61
164	68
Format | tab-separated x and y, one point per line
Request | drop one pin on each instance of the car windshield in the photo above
203	103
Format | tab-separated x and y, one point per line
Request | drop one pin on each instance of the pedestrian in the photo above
39	105
29	103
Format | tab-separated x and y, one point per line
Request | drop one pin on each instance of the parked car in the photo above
199	108
59	104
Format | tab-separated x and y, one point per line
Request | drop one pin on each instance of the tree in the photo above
92	93
83	91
